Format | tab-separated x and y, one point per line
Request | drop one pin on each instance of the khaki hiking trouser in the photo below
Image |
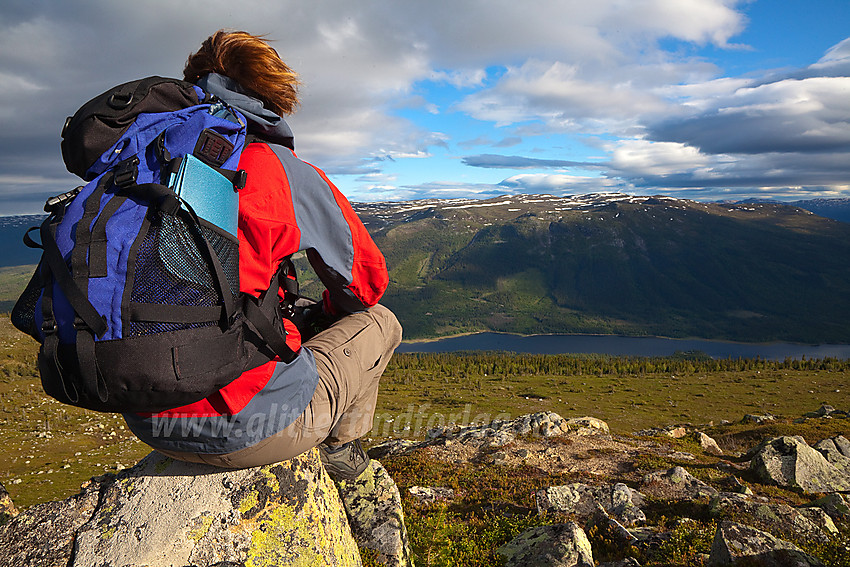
350	357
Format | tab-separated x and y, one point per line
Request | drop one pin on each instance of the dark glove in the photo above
311	319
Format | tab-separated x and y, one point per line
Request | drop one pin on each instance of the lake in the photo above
623	346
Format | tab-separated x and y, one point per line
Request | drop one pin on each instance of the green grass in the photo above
13	280
423	391
50	449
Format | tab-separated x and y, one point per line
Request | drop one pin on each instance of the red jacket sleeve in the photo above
369	277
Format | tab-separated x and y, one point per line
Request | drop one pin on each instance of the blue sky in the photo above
701	99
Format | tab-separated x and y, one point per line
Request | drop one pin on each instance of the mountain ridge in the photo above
614	264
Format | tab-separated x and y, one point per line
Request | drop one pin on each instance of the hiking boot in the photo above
346	462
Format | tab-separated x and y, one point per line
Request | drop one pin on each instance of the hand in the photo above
311	319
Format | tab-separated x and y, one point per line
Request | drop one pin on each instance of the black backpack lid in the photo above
99	123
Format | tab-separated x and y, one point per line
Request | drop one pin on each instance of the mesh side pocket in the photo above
170	269
23	313
227	250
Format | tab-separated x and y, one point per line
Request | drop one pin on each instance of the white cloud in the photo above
642	158
448	190
810	114
560	184
838	52
571	67
691	20
556	94
462	78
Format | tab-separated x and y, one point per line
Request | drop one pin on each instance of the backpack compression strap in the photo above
261	312
87	323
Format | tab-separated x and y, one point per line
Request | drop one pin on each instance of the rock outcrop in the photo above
497	433
708	444
762	526
587	502
836	450
560	545
737	542
44	534
790	462
675	484
373	505
812	523
163	512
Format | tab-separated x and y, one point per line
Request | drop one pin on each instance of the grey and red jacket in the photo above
287	206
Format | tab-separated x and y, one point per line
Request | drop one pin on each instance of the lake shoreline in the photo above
662	337
620	345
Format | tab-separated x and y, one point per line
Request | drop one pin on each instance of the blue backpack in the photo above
136	299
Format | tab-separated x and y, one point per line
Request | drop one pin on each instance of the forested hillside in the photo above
615	264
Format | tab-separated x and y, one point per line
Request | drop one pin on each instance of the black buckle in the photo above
287	308
162	151
49	327
240	179
126	172
80	325
55	204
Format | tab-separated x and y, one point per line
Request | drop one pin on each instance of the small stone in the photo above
825	410
682	456
676	432
435	432
708	444
757	419
498	458
675	483
431	494
584	426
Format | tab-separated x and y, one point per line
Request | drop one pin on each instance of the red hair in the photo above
250	61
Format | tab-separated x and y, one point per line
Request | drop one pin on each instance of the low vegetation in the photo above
420	391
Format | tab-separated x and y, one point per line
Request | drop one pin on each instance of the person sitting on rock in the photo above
326	396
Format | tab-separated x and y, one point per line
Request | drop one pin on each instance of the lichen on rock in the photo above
163	512
737	542
373	505
560	545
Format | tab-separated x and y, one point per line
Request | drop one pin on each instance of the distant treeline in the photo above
500	363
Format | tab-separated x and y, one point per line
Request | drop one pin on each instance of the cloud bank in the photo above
496	73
